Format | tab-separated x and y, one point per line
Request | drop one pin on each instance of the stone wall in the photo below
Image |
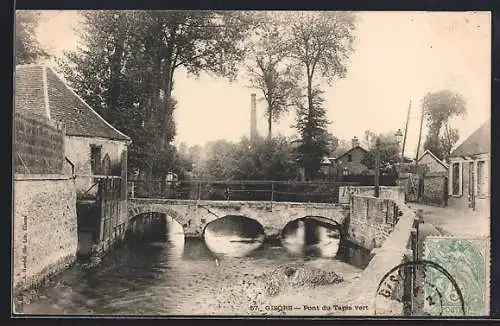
371	220
389	255
390	192
38	145
346	192
45	227
435	189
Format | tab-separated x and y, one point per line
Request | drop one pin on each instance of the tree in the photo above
370	137
388	150
333	143
343	146
271	73
125	69
321	44
439	107
313	144
265	159
28	49
220	161
448	140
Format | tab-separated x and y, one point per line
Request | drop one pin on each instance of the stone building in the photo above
432	163
92	145
44	233
349	163
95	150
469	172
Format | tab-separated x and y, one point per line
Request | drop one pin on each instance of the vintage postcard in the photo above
251	163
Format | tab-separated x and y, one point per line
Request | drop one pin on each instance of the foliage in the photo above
369	139
388	148
313	144
28	49
269	159
262	159
320	44
219	161
448	140
342	147
271	73
333	144
126	64
439	107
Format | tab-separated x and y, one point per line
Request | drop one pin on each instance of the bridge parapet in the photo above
195	215
397	245
246	190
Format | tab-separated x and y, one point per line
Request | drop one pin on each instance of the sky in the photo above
398	58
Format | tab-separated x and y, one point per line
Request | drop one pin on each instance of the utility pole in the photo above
406	131
377	168
420	132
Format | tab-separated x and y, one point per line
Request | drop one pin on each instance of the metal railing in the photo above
278	191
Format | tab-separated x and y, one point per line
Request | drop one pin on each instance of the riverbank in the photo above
156	279
250	293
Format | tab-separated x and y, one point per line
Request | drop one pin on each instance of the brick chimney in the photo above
253	117
355	142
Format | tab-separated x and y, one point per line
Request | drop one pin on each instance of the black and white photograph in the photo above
251	163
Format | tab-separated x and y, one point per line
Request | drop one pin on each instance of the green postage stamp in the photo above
458	282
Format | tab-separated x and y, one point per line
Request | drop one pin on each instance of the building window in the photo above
455	179
349	158
481	178
95	159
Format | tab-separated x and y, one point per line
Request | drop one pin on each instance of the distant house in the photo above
92	145
349	163
327	166
469	172
432	163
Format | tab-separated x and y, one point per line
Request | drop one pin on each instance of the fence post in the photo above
407	285
272	195
418	277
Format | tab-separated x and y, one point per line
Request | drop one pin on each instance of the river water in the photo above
179	276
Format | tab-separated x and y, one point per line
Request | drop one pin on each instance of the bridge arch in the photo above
246	220
320	220
195	215
170	215
192	224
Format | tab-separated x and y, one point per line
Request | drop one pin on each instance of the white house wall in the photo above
78	152
462	201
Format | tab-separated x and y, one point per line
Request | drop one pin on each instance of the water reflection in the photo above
311	237
172	276
234	236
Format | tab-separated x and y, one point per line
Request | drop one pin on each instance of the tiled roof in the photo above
29	90
479	142
347	152
41	90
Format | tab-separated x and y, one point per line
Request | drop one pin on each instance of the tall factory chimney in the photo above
253	117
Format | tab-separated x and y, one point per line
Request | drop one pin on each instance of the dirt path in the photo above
450	221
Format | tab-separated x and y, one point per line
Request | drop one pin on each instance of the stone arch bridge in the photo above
194	215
